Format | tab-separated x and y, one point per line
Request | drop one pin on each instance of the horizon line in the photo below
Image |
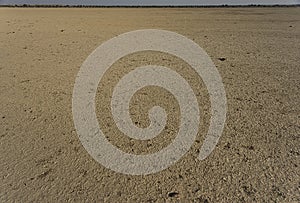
154	6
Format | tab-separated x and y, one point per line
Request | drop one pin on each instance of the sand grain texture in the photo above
256	51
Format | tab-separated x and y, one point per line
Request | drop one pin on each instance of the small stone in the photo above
173	194
251	147
227	146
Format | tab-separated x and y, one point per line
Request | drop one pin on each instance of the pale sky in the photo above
150	2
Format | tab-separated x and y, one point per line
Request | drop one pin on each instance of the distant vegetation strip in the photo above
145	6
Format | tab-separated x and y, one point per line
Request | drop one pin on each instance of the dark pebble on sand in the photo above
173	194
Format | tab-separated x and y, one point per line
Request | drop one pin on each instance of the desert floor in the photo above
256	159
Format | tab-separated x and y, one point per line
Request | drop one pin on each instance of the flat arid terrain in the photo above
256	51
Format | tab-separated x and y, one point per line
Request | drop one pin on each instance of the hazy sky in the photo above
150	2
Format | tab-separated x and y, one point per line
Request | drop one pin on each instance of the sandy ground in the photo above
256	159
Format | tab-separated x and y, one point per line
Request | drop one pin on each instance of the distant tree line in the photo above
145	6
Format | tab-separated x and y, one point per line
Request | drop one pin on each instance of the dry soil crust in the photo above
256	51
